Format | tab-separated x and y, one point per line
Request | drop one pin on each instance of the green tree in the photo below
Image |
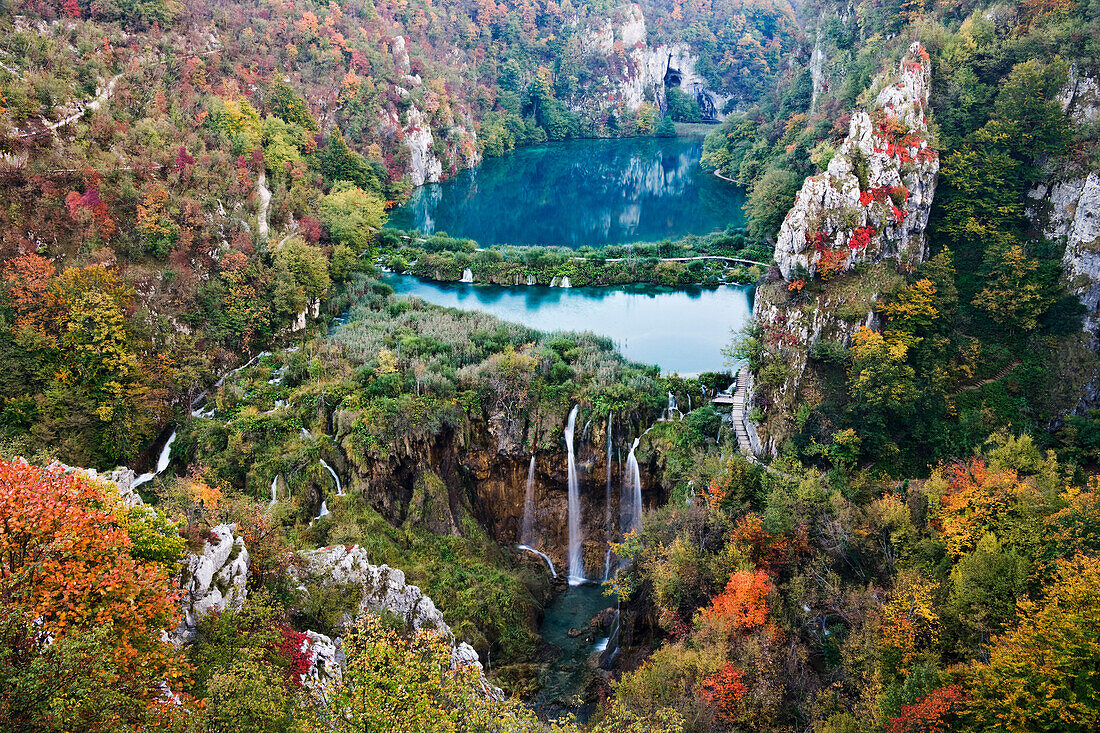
1042	675
682	107
984	587
770	198
350	214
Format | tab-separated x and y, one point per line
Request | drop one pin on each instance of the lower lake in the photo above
682	330
593	192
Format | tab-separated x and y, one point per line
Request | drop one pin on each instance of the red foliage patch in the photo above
933	713
722	692
861	238
295	648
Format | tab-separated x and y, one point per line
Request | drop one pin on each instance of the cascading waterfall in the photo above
324	510
274	491
527	531
612	641
689	403
339	488
549	562
163	460
607	505
576	538
630	514
467	276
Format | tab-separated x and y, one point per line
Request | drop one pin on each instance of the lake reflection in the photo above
582	192
682	330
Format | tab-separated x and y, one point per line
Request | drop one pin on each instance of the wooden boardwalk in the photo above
740	398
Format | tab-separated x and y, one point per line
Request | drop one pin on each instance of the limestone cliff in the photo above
214	579
1067	208
636	71
869	208
873	201
380	588
440	139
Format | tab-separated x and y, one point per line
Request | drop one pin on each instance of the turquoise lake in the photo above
593	192
682	330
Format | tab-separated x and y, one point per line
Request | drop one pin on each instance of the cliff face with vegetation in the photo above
874	198
868	210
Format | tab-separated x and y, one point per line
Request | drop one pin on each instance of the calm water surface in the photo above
581	192
682	330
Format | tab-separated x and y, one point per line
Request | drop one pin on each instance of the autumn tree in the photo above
744	602
1041	676
28	279
72	594
351	214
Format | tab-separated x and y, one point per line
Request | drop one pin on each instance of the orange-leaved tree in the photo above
82	618
744	602
723	692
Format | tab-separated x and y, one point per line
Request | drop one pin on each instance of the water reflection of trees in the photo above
584	192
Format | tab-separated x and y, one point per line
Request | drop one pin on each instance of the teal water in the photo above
574	610
681	330
582	192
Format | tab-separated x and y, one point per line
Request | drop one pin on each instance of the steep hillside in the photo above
214	170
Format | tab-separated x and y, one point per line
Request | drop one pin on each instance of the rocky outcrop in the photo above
873	201
1067	208
638	71
326	660
214	579
441	139
381	589
870	206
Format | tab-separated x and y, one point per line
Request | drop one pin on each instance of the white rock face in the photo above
1069	211
383	588
326	661
1081	98
1075	217
644	74
216	579
422	129
844	220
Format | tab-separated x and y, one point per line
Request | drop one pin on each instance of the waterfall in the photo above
612	642
689	403
576	539
163	460
306	435
630	513
324	510
565	282
672	407
339	489
467	276
549	562
274	491
527	531
607	504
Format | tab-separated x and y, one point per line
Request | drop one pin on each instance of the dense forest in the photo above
192	231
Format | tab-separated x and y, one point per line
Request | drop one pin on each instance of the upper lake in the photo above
592	192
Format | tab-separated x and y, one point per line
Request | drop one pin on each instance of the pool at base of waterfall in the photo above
567	625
